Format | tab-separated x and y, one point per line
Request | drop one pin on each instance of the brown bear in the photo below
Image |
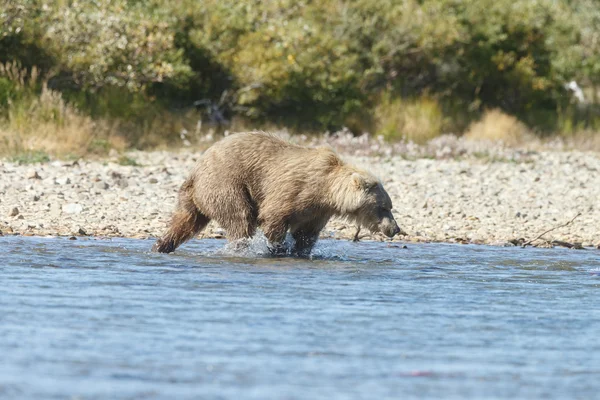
255	179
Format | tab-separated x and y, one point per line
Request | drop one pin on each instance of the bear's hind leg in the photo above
238	216
186	222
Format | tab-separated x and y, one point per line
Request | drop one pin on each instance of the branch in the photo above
550	230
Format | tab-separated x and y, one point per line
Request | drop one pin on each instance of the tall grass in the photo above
417	120
35	118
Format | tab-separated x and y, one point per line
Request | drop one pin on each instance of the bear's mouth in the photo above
391	231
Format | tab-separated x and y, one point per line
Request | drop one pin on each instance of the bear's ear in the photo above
361	183
357	181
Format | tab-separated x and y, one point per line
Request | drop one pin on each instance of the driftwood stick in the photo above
356	238
550	230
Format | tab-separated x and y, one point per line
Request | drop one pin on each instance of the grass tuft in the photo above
127	161
496	126
31	157
418	120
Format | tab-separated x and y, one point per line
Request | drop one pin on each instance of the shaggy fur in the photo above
251	180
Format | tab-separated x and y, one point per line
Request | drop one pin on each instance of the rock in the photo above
62	181
153	180
101	185
32	174
122	183
72	238
55	210
14	212
82	232
36	197
72	208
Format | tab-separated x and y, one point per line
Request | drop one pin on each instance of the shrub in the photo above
306	64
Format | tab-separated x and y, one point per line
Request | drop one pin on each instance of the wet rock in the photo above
82	232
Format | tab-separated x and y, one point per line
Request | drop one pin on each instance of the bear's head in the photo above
367	203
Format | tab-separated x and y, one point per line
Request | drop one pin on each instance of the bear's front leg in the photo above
306	235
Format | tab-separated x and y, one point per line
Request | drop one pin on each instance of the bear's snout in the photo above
390	228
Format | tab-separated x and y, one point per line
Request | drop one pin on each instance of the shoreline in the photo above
470	199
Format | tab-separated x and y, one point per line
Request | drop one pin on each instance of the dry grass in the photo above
47	123
37	119
496	126
418	120
44	121
582	140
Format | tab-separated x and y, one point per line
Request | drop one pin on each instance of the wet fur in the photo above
251	180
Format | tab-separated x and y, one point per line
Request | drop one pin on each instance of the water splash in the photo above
258	246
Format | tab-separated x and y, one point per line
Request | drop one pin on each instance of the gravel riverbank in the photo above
468	198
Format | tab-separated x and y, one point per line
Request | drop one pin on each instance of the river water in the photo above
98	319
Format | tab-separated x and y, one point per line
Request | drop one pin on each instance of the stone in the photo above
101	185
14	212
72	208
32	174
62	181
55	210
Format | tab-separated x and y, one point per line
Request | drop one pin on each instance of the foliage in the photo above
371	65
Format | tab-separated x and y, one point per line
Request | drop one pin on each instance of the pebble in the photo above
14	212
72	208
33	174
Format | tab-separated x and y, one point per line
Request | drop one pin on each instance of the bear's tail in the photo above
186	222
